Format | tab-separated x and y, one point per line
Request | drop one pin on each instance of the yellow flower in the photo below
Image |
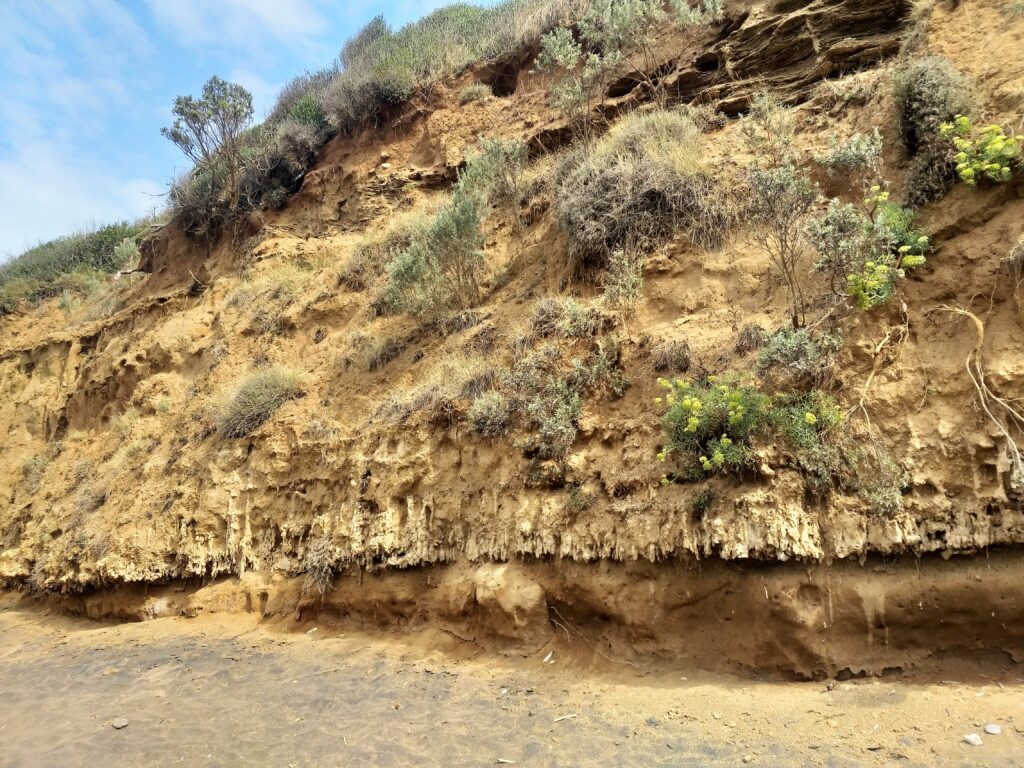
810	418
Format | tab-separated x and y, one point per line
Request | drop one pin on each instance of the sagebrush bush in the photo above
797	359
32	470
490	413
440	268
861	152
644	180
255	399
780	197
929	91
475	92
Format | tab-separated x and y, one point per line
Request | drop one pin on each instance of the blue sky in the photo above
86	85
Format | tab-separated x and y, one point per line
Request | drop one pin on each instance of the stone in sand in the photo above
973	739
119	722
992	729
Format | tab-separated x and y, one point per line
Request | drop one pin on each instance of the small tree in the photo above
209	129
781	197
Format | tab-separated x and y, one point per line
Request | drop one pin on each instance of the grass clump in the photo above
490	413
442	391
475	92
319	566
633	189
929	91
672	356
255	399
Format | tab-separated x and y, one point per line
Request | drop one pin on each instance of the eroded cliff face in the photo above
111	472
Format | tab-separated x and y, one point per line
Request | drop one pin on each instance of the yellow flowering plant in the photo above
981	153
708	425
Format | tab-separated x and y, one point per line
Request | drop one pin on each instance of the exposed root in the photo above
992	403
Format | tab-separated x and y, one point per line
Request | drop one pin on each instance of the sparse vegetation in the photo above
644	180
32	470
613	35
623	281
255	399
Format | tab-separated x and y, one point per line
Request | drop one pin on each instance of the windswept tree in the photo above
209	130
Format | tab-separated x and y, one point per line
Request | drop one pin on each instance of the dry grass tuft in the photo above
255	399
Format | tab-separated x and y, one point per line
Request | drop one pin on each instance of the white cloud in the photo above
48	194
257	28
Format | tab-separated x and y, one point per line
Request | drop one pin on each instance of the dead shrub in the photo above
671	356
644	180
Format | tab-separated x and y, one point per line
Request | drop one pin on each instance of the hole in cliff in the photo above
848	674
708	62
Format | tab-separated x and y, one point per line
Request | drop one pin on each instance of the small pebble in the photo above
119	723
973	739
992	729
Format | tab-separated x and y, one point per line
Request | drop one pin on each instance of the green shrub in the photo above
475	92
930	91
868	251
73	263
981	153
708	427
439	270
489	414
861	152
794	358
636	187
308	109
255	399
302	98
